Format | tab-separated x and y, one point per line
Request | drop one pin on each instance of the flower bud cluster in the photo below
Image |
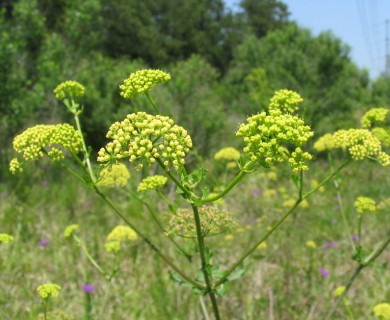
212	220
118	235
71	89
151	183
145	137
284	101
49	290
121	234
326	142
365	204
382	311
382	135
373	117
6	238
361	144
15	166
70	230
229	154
52	138
268	136
142	81
115	176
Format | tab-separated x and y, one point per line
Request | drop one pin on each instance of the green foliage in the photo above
318	67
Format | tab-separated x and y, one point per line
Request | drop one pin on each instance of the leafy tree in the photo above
318	67
262	16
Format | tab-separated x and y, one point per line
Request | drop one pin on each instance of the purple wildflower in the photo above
336	207
323	272
43	243
328	244
334	221
355	237
256	192
88	288
44	183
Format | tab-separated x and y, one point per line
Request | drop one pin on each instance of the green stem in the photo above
86	154
377	252
164	198
92	260
341	205
366	262
348	307
152	102
360	229
284	217
157	221
151	245
254	247
201	246
173	178
242	174
341	297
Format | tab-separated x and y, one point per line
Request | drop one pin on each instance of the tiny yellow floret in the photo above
365	204
382	311
311	244
373	117
70	230
115	176
339	291
69	89
152	183
49	290
142	81
121	234
228	154
6	238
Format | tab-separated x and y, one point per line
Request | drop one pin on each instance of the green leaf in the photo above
221	290
205	193
239	272
296	180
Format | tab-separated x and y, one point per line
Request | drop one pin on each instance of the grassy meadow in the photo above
283	280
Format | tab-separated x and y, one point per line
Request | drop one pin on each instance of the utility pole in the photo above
387	62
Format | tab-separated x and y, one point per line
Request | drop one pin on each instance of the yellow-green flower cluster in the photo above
382	311
382	135
15	166
151	183
213	221
229	154
311	244
268	136
70	230
54	139
365	204
284	101
326	142
115	176
69	89
144	137
112	246
121	234
142	81
49	290
373	117
339	291
361	144
118	235
6	238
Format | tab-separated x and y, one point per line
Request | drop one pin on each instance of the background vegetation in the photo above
225	66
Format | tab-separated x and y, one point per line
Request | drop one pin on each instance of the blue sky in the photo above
359	23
